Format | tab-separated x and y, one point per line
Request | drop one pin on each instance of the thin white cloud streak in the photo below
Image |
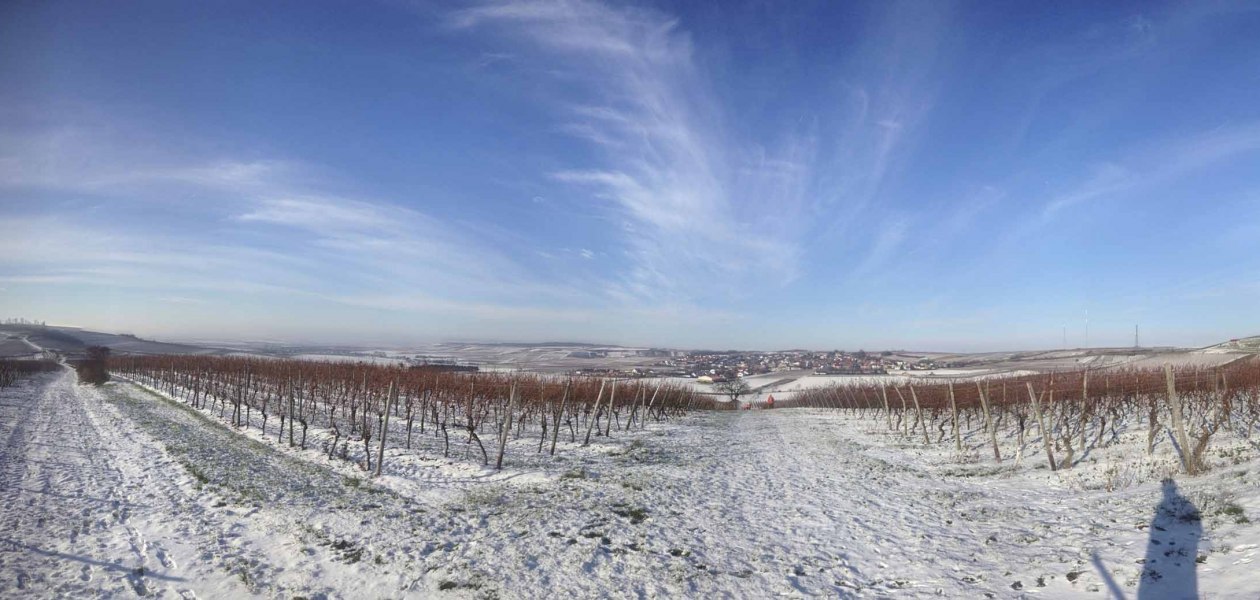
101	160
1132	172
1157	164
887	242
319	214
67	245
398	248
1108	179
210	275
895	75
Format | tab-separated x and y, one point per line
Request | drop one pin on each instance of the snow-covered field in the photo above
119	492
785	385
366	358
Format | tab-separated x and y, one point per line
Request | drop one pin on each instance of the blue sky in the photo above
920	175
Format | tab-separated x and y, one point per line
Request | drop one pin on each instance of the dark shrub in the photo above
92	369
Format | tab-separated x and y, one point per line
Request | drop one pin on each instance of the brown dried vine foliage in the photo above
1078	407
351	400
12	370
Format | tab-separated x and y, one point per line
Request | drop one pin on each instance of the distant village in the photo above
717	366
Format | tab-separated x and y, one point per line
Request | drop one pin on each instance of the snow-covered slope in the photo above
116	492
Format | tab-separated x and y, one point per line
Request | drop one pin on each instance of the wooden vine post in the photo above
905	423
1084	407
1041	422
612	398
555	430
883	392
389	400
648	408
506	428
590	425
988	422
953	407
1179	426
919	409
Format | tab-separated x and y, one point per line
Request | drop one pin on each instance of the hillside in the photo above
19	340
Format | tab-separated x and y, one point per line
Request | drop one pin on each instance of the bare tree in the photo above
733	389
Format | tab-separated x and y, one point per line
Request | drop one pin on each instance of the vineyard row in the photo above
374	406
1071	411
11	370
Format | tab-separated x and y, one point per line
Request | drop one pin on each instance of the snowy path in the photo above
65	511
90	509
791	507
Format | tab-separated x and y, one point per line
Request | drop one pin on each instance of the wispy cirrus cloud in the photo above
668	170
709	207
266	226
887	241
1121	180
398	247
1157	163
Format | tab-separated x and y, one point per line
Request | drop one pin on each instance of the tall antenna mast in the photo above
1136	344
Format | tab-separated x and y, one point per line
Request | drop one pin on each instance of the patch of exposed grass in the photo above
981	471
1235	511
348	551
636	514
197	473
486	495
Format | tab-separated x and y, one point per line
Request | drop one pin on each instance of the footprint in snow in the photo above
163	557
138	543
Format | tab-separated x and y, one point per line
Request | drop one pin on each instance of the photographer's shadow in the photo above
1168	572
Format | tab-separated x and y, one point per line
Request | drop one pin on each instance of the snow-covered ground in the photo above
118	492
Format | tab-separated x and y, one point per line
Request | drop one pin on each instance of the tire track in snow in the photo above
61	492
79	516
